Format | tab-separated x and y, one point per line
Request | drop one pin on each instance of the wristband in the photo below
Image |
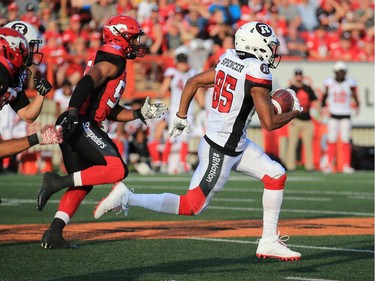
138	114
33	139
182	117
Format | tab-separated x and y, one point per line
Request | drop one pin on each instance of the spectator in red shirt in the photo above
166	8
95	42
152	26
55	54
75	30
345	50
124	6
12	13
29	13
366	53
317	44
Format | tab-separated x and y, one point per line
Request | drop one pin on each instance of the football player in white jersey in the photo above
242	85
175	79
339	93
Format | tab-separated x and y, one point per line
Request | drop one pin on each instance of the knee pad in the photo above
274	183
192	202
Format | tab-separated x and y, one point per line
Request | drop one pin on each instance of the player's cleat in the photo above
49	187
274	247
117	199
348	170
328	169
55	240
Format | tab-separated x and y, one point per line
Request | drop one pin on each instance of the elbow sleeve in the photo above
81	91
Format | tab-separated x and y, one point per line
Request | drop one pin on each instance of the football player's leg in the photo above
256	163
98	149
154	152
209	178
333	131
165	154
345	129
69	203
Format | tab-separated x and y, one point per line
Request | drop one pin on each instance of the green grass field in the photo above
307	196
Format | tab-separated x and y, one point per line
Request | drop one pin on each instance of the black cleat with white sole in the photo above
55	240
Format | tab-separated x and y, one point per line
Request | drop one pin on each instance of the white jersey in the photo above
339	95
232	103
178	81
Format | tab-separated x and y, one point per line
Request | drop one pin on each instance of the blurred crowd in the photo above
72	30
312	29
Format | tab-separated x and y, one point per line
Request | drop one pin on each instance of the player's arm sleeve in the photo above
81	91
21	101
115	112
86	84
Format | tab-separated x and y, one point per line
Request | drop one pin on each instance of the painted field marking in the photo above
16	202
307	279
369	195
291	245
293	211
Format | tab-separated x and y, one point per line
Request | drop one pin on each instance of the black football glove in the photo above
70	120
42	86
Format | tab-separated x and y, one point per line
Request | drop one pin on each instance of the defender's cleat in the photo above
274	247
55	240
116	200
49	187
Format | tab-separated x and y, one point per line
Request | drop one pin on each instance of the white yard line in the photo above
307	279
293	211
351	194
291	245
16	202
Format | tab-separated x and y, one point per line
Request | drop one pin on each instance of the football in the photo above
282	101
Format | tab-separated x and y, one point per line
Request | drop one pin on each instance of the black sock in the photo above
57	225
67	180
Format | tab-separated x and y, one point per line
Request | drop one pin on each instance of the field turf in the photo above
330	219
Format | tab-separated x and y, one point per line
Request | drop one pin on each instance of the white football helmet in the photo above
32	37
258	39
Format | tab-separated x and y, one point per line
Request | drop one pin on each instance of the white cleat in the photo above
328	169
117	199
275	248
348	170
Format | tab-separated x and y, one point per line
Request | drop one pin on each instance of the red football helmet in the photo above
14	50
32	37
126	32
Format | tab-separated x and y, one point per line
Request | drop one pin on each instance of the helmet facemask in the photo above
34	57
275	58
137	46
